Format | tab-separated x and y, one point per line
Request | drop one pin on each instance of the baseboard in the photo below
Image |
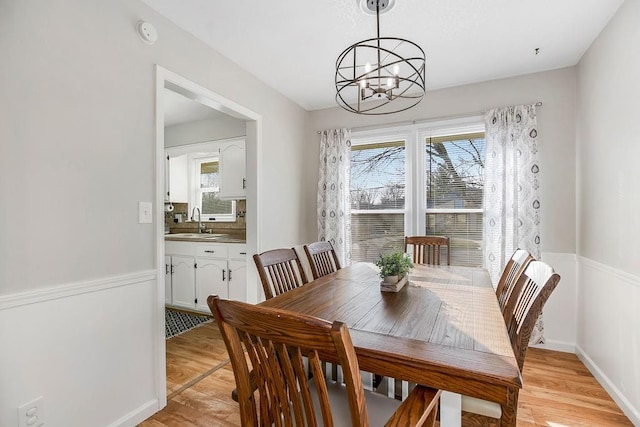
138	415
554	345
629	410
72	289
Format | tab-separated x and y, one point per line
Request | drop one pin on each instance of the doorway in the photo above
201	100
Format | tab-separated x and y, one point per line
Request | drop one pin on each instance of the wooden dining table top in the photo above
444	329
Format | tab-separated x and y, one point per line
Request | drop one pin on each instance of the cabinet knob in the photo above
223	275
229	274
209	251
244	183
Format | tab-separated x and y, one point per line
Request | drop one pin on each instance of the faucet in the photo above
201	227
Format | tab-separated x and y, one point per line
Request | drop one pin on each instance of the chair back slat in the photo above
530	294
276	341
322	258
512	272
427	249
280	271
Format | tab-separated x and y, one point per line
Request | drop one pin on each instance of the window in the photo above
418	181
377	199
454	167
207	189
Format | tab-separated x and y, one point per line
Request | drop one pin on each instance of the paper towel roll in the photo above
168	208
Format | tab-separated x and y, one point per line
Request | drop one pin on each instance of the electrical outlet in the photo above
31	414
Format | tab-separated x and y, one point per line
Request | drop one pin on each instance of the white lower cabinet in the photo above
211	279
237	280
198	270
182	281
237	275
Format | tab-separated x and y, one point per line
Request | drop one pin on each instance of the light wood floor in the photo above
558	390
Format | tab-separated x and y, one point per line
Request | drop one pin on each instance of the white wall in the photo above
76	156
556	145
609	208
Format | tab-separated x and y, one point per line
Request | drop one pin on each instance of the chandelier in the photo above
382	75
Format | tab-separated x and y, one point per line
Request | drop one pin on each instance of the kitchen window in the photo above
418	180
205	194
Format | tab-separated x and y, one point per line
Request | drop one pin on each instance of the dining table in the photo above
443	329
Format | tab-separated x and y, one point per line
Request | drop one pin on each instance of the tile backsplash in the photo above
179	221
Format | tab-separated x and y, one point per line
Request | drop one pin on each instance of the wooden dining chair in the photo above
530	293
276	342
322	258
510	275
280	271
427	249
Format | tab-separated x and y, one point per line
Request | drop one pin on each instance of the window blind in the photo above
454	181
377	199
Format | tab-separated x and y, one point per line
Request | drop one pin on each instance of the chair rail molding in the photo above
629	278
72	289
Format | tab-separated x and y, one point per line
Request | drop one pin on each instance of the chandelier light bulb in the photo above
390	83
396	70
363	83
367	67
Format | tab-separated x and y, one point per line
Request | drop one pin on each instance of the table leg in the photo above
450	409
510	409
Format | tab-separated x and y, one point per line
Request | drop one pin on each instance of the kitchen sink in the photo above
193	235
205	237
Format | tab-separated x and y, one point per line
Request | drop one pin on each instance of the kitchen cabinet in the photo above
182	281
211	279
203	269
178	178
237	274
233	171
167	174
167	279
237	279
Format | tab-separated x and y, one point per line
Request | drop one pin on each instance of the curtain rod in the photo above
433	119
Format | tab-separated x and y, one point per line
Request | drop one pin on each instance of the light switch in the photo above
145	213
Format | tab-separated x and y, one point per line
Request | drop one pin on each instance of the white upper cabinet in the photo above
233	171
178	178
167	180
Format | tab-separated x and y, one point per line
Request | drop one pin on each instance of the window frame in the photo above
194	162
414	135
382	137
422	136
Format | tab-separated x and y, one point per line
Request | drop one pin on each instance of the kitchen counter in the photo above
204	238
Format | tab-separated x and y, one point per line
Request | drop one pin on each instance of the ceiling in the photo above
293	45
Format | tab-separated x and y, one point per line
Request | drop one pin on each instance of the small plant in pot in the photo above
394	266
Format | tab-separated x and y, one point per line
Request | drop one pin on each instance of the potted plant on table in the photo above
394	266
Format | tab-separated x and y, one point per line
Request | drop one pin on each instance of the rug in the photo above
177	322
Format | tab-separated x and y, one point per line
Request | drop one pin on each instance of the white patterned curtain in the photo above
334	205
511	203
